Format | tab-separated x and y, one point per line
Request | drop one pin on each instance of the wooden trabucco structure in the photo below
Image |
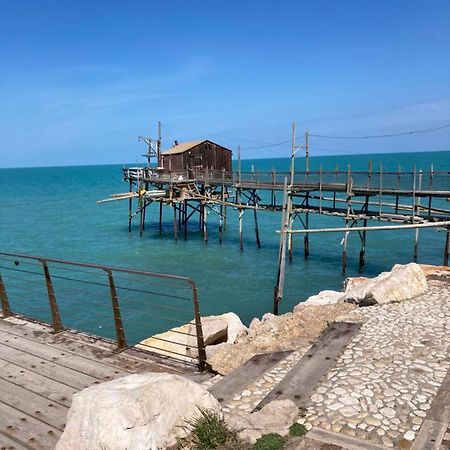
414	199
196	156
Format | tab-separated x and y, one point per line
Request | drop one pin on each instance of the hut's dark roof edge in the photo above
185	146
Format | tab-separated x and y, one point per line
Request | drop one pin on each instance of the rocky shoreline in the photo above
379	394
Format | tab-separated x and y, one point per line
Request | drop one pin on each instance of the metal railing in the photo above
427	181
135	308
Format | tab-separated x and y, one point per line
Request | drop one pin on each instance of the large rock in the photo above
276	417
138	412
352	282
401	283
181	342
322	298
278	333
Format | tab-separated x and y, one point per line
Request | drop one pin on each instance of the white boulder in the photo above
401	283
322	298
139	412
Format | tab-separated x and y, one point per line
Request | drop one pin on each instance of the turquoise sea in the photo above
52	212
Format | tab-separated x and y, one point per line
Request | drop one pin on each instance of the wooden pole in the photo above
130	208
239	164
205	223
255	216
447	247
279	286
363	248
160	216
306	237
241	238
344	248
307	151
293	149
175	225
185	219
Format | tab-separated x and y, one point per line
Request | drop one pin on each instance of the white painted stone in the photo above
409	435
139	412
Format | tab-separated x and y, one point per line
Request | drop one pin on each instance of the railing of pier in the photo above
147	311
385	181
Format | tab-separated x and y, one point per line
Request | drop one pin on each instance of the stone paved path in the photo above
384	382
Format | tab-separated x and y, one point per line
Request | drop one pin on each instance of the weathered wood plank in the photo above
33	404
27	429
93	348
46	368
299	382
62	357
9	444
241	377
34	382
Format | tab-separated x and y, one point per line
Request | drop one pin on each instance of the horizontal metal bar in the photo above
380	228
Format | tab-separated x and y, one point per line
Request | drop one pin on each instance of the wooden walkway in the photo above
40	371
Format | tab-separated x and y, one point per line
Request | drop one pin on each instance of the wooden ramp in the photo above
254	368
40	371
298	384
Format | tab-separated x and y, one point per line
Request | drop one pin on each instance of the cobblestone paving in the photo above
384	382
245	401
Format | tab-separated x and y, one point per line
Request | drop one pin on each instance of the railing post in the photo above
198	328
56	318
6	310
120	333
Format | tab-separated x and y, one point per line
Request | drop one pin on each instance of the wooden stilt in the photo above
279	285
363	249
306	238
205	223
416	244
130	208
447	247
241	238
160	216
175	225
185	219
255	216
344	249
141	215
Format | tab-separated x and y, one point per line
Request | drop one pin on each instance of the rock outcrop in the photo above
401	283
276	417
277	333
139	412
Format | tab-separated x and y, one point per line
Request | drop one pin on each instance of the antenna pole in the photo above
158	146
307	150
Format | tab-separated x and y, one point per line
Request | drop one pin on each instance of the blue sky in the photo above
80	80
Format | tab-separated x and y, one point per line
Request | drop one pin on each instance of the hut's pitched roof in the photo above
182	147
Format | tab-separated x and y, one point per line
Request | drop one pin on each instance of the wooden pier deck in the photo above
41	370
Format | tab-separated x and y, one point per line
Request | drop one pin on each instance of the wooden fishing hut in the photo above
196	156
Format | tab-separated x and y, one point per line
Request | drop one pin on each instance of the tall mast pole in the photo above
158	146
307	150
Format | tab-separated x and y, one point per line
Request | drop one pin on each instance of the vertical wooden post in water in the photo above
160	216
279	286
255	216
447	247
6	310
175	225
130	205
363	248
56	318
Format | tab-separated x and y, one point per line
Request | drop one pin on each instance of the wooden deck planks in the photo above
26	429
64	358
40	371
7	443
298	384
33	404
